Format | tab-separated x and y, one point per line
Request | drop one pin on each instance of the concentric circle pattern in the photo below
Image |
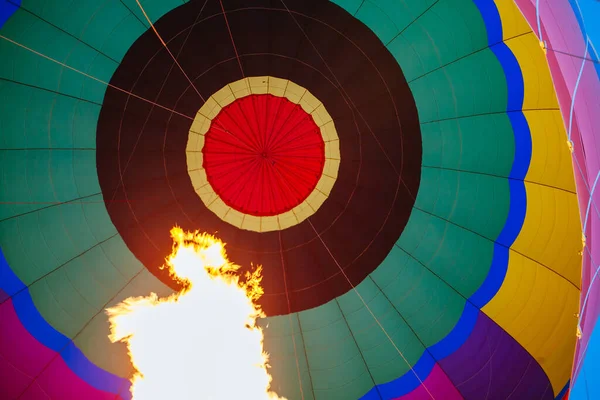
363	199
398	168
263	165
263	155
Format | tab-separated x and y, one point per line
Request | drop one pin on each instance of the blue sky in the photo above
590	9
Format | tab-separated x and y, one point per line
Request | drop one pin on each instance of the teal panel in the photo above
429	306
378	21
470	86
474	201
15	252
459	257
483	144
289	367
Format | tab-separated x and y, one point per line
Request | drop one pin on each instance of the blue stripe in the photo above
44	333
458	335
406	383
7	9
522	158
494	279
512	227
423	367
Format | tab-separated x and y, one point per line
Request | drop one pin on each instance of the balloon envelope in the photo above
400	169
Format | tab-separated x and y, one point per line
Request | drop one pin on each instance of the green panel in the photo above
94	342
73	247
351	6
33	69
378	21
433	44
84	173
153	8
474	201
94	277
333	357
40	119
84	125
384	361
289	368
14	99
49	297
430	307
106	26
121	36
470	86
27	265
14	192
119	255
388	18
459	257
483	144
60	303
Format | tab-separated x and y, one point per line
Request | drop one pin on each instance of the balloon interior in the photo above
405	191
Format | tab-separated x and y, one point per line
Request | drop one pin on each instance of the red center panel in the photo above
263	155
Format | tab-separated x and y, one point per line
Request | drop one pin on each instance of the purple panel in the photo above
492	362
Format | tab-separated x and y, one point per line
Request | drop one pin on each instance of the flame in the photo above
200	343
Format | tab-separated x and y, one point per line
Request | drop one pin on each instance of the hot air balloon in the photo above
413	176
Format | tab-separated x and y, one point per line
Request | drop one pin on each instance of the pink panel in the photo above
438	385
22	358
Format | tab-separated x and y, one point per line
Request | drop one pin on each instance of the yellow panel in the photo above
303	211
277	86
198	159
539	89
537	307
316	199
331	168
224	96
201	124
322	118
192	142
210	109
287	219
208	196
205	191
328	131
294	92
196	178
251	223
325	184
240	88
268	224
259	84
199	178
200	143
332	150
513	23
234	217
551	233
193	161
551	162
219	207
309	102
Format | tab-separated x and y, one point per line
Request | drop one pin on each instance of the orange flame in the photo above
200	343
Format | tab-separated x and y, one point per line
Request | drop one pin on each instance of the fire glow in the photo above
200	343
